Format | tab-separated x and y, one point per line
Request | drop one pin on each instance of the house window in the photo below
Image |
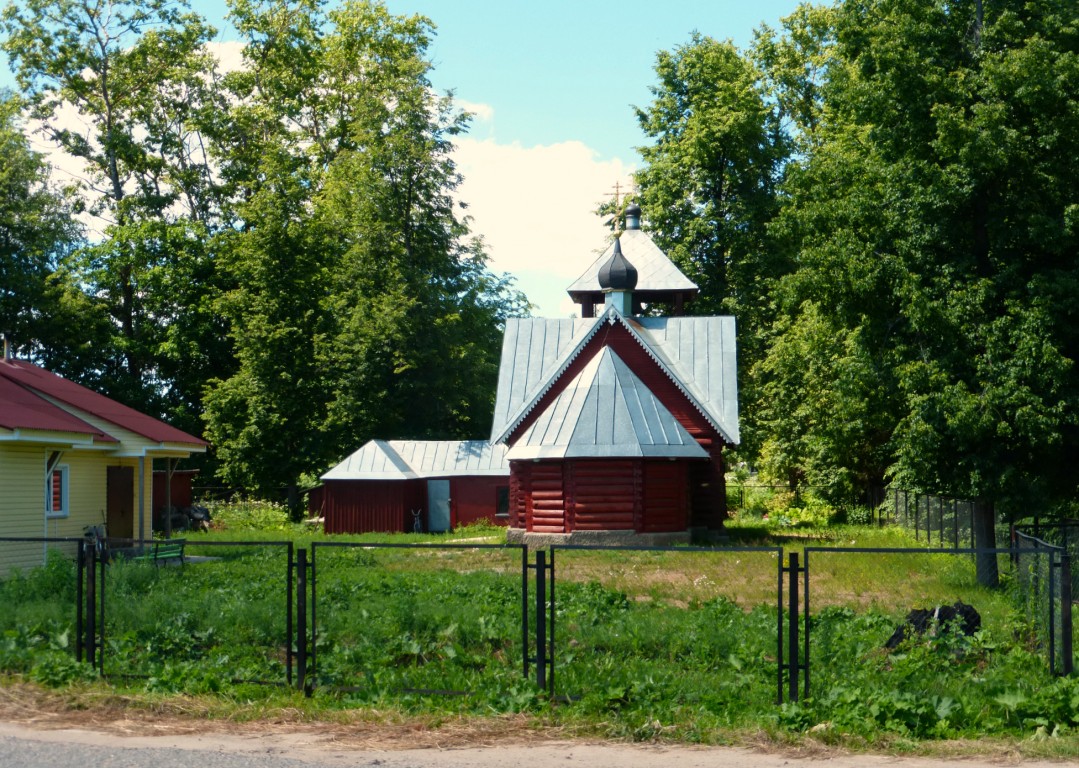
502	501
56	498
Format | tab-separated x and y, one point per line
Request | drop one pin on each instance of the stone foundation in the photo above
626	538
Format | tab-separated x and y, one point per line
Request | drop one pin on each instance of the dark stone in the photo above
943	618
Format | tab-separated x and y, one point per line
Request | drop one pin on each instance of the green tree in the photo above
708	187
136	80
42	313
933	217
361	307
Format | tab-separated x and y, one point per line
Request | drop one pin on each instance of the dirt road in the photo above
29	747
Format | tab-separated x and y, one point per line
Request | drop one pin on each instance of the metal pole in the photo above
805	604
301	620
91	605
1052	615
779	629
290	569
792	629
100	638
524	608
541	620
79	628
1066	626
551	655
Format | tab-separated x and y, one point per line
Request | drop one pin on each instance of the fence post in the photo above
90	635
779	629
79	628
792	629
1068	661
524	609
541	619
301	620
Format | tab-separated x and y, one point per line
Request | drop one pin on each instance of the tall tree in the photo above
362	309
38	297
708	187
123	85
934	220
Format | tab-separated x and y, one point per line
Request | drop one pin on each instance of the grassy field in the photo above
648	645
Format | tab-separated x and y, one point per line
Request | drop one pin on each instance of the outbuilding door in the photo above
438	506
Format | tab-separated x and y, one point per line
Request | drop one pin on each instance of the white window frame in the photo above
65	499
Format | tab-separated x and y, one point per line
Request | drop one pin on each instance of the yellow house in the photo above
72	458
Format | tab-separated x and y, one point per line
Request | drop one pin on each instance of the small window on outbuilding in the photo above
502	501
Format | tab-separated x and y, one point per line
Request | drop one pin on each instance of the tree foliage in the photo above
42	311
883	192
361	307
932	218
276	251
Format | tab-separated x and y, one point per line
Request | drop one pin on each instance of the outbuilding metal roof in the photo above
698	354
655	272
605	411
413	459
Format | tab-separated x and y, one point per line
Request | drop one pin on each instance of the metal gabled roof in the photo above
606	411
655	272
698	354
415	459
701	356
533	349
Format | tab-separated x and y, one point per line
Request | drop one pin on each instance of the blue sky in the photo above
552	85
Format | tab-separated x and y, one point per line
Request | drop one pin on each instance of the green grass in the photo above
649	645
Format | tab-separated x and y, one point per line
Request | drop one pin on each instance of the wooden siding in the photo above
22	500
368	506
545	502
519	488
604	495
666	505
642	495
22	505
475	498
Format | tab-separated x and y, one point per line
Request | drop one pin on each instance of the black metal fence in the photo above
368	618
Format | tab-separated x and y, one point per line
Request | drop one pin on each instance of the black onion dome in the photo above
633	216
617	274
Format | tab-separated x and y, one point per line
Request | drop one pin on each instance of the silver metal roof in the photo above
605	411
699	354
655	272
411	459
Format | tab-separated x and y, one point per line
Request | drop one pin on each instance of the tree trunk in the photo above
984	522
295	509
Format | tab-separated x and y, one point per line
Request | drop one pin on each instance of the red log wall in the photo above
643	495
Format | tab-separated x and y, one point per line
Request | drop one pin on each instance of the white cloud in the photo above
534	207
481	113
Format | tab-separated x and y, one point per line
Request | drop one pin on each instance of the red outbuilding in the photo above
414	485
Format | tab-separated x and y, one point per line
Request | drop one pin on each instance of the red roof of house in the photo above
22	406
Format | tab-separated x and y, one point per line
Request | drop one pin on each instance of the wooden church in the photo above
615	423
610	426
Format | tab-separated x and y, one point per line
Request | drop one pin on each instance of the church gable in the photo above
605	411
688	363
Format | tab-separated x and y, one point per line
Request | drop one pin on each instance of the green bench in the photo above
163	552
